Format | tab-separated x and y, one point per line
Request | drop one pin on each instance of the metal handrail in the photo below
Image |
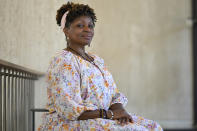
16	96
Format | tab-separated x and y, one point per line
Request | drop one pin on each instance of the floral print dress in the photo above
74	86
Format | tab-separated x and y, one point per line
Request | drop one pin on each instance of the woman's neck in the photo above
77	48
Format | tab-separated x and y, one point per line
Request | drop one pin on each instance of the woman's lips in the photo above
87	37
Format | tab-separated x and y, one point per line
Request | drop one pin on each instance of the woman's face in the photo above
80	31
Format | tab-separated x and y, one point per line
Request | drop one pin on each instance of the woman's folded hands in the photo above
120	114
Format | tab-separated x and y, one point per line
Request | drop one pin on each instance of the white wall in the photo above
146	44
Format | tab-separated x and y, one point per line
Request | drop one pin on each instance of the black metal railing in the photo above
16	96
33	115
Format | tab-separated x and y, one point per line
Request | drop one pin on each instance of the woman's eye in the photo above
91	26
80	25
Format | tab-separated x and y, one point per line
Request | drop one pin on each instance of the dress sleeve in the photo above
65	89
118	97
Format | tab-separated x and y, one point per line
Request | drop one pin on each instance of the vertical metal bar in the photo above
30	107
21	111
33	85
4	102
24	109
29	104
30	98
8	102
18	102
28	116
194	38
26	102
23	101
11	100
14	100
1	102
33	120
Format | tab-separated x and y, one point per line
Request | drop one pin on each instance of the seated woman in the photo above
82	94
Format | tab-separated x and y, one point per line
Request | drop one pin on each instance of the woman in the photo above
82	94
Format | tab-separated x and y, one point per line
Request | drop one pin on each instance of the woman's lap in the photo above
99	124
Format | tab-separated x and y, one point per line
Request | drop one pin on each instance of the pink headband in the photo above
63	20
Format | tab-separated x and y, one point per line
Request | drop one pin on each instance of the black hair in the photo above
75	11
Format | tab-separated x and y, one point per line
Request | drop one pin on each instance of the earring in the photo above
67	40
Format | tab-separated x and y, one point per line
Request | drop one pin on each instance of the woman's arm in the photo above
89	114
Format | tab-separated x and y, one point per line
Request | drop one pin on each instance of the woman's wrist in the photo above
103	113
110	114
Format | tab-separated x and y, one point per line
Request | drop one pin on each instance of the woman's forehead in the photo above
85	19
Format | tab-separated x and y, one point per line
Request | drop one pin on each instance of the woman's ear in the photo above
65	31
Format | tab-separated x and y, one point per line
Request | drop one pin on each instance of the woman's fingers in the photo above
130	119
119	120
124	120
127	120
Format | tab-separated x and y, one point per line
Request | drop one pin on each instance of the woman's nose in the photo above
88	29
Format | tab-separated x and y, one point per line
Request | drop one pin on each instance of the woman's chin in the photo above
86	43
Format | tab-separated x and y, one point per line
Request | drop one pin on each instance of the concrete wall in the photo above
146	44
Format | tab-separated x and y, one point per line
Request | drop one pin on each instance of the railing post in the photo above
1	100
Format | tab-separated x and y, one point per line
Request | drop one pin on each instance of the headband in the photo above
63	20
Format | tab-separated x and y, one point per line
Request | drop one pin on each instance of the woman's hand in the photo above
120	114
